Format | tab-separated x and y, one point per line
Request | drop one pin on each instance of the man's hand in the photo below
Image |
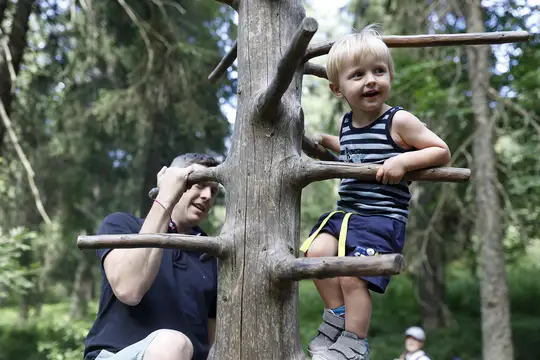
172	183
392	171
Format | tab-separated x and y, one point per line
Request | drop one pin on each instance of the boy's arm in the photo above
431	150
330	142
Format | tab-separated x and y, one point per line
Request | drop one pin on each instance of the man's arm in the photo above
131	272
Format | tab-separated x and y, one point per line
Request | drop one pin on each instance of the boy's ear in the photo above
335	89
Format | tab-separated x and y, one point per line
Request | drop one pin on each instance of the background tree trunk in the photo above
496	330
16	46
82	286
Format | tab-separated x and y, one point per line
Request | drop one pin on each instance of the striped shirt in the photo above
371	144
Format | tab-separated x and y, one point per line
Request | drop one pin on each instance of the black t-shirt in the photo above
182	297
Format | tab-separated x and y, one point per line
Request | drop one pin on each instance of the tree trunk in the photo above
3	8
16	45
260	316
82	284
496	330
429	276
431	286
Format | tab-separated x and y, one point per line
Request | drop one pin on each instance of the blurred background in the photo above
98	95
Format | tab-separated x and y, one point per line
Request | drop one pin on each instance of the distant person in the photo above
158	304
414	343
370	216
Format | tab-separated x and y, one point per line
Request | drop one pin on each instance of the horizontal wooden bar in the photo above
415	41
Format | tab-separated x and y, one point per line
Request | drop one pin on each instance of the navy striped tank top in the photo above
371	144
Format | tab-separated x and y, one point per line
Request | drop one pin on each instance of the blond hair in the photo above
355	47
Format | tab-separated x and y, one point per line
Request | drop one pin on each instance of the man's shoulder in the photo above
120	221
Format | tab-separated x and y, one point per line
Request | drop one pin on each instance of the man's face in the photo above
196	202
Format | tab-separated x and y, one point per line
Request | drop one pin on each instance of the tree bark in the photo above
16	46
496	330
258	317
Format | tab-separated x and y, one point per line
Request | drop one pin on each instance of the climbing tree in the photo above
264	174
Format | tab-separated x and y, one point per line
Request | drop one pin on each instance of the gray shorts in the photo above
132	352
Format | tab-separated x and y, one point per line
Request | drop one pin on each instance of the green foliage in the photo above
51	336
13	276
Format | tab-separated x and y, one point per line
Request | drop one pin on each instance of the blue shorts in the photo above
366	235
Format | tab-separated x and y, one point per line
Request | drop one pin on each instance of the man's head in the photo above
195	203
414	339
360	68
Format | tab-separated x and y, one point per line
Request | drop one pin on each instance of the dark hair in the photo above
195	158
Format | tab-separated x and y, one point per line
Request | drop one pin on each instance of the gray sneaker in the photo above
347	347
329	331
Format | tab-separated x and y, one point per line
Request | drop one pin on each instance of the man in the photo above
414	342
158	304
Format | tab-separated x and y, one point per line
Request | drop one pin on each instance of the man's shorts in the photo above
365	236
132	352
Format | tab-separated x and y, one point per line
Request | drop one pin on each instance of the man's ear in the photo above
335	89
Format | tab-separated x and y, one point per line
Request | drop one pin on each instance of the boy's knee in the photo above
169	345
351	284
323	245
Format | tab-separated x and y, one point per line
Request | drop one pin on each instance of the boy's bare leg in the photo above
357	305
329	289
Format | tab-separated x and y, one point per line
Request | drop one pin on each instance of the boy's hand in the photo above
317	139
392	171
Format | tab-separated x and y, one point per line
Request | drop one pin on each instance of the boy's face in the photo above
364	84
197	201
412	345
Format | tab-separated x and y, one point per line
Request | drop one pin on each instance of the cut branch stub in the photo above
224	64
317	151
295	269
198	176
412	41
214	246
312	170
287	66
315	70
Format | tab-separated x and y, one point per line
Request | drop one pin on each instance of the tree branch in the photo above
317	151
288	65
224	64
30	174
409	41
294	269
311	171
214	246
198	176
316	70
